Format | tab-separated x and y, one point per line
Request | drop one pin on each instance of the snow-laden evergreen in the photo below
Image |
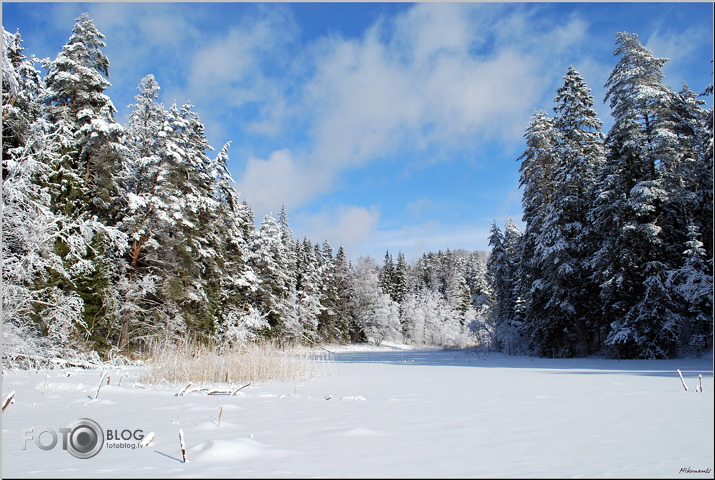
613	248
502	270
560	327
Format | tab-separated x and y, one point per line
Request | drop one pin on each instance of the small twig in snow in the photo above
101	382
10	399
239	389
147	440
183	446
183	390
218	391
682	380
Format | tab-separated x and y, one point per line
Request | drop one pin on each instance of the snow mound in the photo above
228	451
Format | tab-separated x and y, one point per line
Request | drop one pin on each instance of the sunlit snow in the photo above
383	413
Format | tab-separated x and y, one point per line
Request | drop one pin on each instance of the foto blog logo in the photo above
82	438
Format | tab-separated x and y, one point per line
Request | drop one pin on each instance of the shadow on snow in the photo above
484	359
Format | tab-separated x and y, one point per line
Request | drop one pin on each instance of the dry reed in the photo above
198	364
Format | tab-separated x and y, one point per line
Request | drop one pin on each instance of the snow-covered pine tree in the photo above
88	170
41	317
187	186
22	87
628	210
334	322
270	262
693	283
563	326
235	281
387	275
308	287
537	171
400	278
147	217
501	271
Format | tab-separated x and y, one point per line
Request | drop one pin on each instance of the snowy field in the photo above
382	413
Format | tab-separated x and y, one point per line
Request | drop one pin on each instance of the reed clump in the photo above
179	363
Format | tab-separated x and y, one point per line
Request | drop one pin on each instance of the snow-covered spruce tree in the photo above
337	273
632	261
400	279
704	175
693	284
501	271
387	275
342	278
41	317
475	274
270	262
86	173
308	287
237	320
537	171
563	326
687	221
424	275
456	289
689	177
293	322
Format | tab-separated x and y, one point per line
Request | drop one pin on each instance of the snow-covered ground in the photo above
382	413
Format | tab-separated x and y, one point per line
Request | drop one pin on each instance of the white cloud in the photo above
344	225
410	84
280	180
415	240
415	84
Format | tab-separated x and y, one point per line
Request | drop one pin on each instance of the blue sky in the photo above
378	125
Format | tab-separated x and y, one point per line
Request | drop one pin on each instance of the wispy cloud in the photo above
417	239
280	180
346	225
438	78
679	47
